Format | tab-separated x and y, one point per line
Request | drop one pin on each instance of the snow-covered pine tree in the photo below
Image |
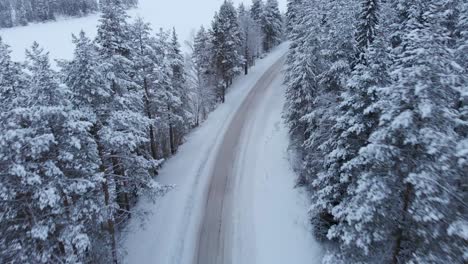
51	164
91	96
145	59
12	79
272	25
227	45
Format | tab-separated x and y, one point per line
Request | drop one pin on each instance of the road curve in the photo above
213	245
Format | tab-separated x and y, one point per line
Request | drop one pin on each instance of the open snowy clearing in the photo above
265	219
55	36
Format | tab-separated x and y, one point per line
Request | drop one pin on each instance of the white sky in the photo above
184	15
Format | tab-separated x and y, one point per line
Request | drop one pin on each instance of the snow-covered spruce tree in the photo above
256	10
407	192
227	45
333	55
292	13
251	37
354	126
179	116
272	25
353	122
300	75
50	162
366	27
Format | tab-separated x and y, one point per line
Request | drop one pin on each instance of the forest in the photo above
377	106
21	12
79	145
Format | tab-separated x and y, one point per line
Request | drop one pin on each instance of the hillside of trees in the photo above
21	12
377	105
80	145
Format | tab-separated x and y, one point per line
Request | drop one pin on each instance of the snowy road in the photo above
234	201
214	243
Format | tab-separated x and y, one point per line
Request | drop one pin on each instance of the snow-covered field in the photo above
266	207
55	36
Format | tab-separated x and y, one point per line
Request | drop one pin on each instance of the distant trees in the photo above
231	46
251	42
380	124
200	75
272	25
227	44
21	12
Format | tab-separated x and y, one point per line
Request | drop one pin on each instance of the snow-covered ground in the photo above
265	192
55	36
269	221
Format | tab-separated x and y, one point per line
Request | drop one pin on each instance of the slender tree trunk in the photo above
223	95
171	139
121	192
105	190
126	198
399	235
110	219
153	145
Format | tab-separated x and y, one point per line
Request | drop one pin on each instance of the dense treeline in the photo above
377	107
21	12
78	146
235	40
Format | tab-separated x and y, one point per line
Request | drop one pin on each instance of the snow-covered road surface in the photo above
216	231
234	201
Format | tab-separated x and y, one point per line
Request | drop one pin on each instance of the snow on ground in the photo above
55	36
268	204
270	210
